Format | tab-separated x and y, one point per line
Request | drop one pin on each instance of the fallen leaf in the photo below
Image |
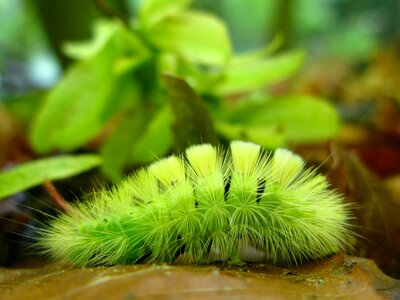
375	210
337	277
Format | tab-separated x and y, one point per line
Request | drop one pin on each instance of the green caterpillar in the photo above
207	206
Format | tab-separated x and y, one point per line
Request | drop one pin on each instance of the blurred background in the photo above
319	77
32	33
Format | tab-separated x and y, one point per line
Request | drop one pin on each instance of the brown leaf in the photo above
193	123
335	278
376	212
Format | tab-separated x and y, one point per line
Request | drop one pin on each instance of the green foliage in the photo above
348	30
275	122
36	172
157	138
114	94
103	30
86	97
248	73
152	11
116	150
193	36
300	118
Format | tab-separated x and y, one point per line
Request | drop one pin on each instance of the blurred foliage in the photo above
339	27
344	28
24	55
53	168
113	99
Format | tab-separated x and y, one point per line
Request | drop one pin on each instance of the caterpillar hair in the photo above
204	207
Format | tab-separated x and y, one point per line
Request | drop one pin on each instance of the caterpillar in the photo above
207	206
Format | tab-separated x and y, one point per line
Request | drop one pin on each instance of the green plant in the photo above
117	82
140	91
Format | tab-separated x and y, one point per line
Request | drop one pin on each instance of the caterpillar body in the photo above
207	206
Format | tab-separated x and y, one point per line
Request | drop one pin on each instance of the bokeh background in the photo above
32	32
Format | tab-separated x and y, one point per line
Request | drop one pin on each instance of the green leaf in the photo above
103	30
303	118
153	11
246	74
86	97
269	137
157	138
196	37
298	119
256	55
193	123
71	113
116	151
201	79
36	172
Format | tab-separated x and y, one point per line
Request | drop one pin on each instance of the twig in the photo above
56	196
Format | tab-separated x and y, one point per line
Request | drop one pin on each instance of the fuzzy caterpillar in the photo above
204	207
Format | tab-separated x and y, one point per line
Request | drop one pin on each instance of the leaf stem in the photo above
56	196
